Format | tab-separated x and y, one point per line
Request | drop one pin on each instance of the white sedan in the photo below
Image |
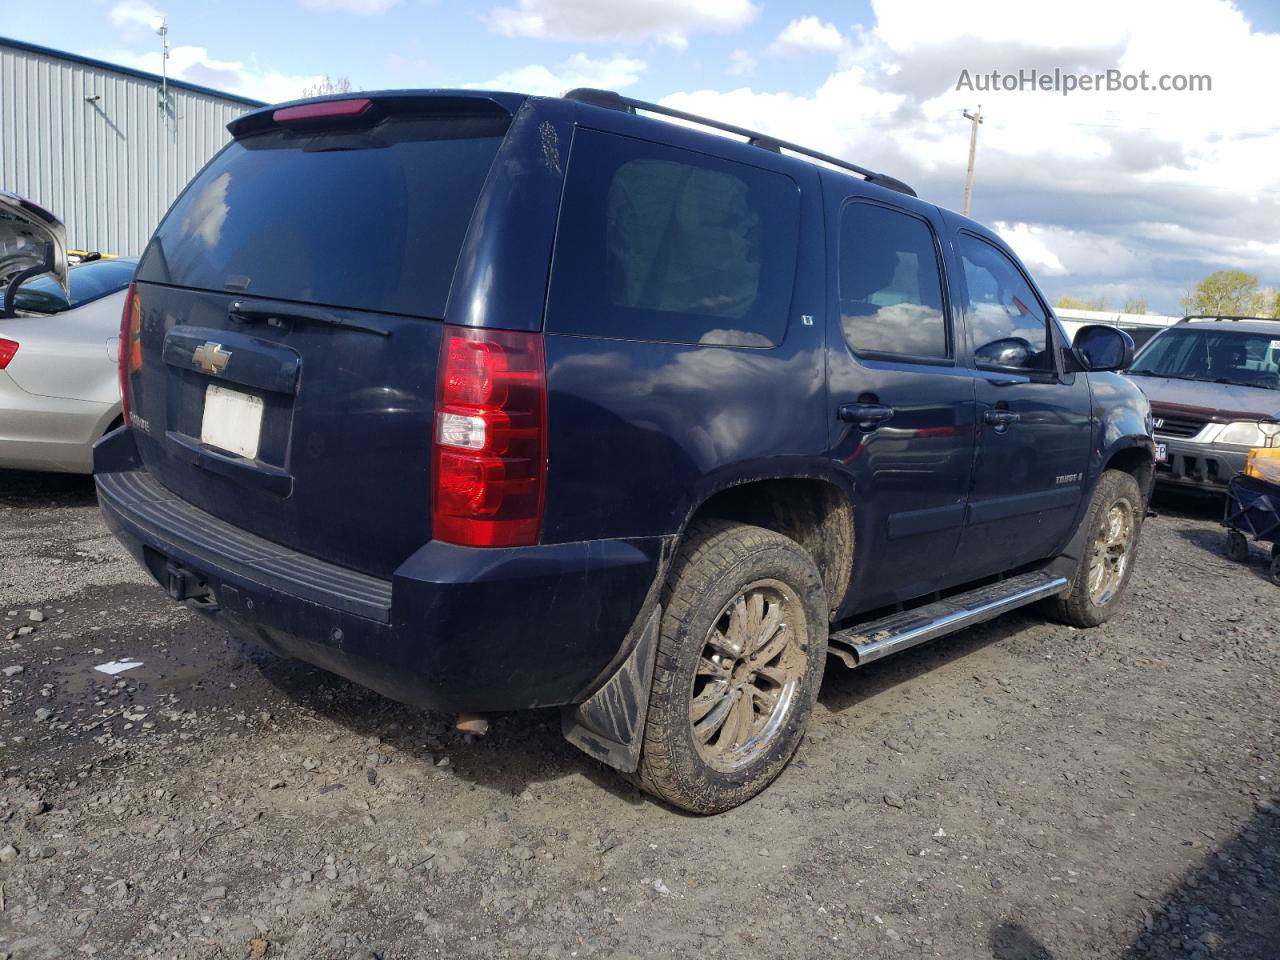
59	386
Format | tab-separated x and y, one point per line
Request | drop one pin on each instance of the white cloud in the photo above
613	73
1148	189
194	65
133	13
741	64
613	21
364	7
807	35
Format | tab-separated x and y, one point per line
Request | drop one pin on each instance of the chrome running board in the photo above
876	639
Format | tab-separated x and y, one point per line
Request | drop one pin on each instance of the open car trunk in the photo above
32	241
288	322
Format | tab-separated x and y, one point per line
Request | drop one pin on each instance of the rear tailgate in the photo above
290	309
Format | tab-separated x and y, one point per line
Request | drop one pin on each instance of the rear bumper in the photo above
455	628
1201	466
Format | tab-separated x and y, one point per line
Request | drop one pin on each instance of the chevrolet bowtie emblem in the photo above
211	358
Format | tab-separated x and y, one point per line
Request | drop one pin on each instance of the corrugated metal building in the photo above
89	141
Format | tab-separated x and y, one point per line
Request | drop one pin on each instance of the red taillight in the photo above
324	110
130	346
7	349
490	465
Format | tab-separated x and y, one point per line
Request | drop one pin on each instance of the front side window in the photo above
890	286
1007	326
658	243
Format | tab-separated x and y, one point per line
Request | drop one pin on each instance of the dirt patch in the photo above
1022	790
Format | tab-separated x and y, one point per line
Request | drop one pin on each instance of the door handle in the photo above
868	416
1000	419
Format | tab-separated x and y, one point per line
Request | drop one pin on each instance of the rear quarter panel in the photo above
642	431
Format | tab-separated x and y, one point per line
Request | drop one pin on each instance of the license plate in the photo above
232	421
1162	453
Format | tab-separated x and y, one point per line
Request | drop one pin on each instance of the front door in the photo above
1034	432
901	402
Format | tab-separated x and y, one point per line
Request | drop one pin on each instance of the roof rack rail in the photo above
1221	317
615	101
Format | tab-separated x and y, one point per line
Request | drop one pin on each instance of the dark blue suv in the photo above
493	402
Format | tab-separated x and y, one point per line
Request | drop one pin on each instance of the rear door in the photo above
1034	419
901	399
289	323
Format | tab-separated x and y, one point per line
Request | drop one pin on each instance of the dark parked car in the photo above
608	413
1214	386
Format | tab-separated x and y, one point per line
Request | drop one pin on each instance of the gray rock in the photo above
893	800
8	852
214	893
12	671
35	616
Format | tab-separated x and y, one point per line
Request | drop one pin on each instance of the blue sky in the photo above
1117	195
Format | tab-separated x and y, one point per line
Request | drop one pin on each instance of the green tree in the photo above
1226	293
1135	306
1068	302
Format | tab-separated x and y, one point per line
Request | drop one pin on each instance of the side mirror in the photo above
1005	352
1097	347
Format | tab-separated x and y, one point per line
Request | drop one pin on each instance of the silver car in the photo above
59	386
1214	387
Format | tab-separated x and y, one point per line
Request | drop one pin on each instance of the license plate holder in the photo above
1162	453
232	421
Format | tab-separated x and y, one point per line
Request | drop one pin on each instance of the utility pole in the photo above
974	119
162	28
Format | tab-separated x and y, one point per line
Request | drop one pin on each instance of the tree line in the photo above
1223	293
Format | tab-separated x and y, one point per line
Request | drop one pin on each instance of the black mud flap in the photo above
610	724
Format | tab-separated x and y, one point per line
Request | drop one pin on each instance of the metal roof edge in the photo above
128	71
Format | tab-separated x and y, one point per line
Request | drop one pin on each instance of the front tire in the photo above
1113	522
740	659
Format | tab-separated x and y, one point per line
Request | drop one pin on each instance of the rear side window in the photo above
658	243
890	285
369	219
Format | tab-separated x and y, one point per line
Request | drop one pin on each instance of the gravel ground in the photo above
1021	791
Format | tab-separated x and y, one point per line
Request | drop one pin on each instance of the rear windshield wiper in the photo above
250	311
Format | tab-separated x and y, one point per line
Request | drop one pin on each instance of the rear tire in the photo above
1113	522
740	659
1237	546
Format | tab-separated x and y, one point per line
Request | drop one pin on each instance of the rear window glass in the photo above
88	281
370	219
658	243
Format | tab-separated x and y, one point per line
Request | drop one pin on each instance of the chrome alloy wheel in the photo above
1110	553
746	680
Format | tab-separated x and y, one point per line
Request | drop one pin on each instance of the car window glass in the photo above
1213	355
890	286
659	243
1006	323
88	281
368	219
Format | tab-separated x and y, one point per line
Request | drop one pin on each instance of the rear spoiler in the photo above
362	109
